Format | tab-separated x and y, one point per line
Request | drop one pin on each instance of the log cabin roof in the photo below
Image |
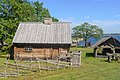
109	41
37	32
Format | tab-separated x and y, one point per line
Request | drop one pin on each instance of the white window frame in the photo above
28	48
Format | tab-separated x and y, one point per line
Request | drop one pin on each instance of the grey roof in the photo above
100	42
36	32
113	42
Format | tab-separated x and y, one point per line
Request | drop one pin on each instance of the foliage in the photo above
86	31
12	12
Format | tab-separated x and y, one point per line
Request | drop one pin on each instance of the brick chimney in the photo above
47	21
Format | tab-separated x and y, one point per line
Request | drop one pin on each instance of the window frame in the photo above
28	49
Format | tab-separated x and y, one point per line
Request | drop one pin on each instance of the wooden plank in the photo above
48	52
51	52
40	52
55	52
44	53
19	65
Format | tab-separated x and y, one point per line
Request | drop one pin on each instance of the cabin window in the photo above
28	48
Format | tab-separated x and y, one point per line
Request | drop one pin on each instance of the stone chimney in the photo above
47	21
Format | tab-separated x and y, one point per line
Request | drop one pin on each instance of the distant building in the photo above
47	39
76	42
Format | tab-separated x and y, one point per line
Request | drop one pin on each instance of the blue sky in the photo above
103	13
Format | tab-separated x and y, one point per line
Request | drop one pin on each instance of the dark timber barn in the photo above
47	39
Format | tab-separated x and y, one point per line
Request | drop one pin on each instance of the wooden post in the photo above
118	58
109	58
37	61
15	51
6	65
80	57
44	53
46	58
58	61
39	66
114	54
15	61
58	57
51	52
59	51
95	52
31	62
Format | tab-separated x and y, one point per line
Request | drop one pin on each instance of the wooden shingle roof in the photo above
107	41
36	32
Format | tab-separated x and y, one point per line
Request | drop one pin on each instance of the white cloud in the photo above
73	20
87	17
108	26
68	19
101	22
107	22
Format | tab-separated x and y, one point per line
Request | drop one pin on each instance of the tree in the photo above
55	19
86	31
12	12
38	8
45	14
42	12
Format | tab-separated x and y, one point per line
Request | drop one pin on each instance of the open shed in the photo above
108	45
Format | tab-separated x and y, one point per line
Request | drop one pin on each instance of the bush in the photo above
5	49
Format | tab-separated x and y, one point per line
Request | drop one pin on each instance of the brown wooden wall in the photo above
42	52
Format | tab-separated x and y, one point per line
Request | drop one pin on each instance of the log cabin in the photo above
42	39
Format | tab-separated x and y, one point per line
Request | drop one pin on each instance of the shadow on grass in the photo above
89	55
106	60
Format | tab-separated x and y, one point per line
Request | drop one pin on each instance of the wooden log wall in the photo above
39	52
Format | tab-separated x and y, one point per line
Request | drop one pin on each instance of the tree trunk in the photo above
85	43
2	43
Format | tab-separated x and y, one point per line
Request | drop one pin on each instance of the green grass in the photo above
91	69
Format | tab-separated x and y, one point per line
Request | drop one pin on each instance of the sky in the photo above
103	13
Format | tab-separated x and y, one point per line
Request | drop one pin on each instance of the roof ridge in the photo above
101	41
43	23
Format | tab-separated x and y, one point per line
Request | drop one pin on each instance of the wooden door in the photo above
47	53
55	52
40	53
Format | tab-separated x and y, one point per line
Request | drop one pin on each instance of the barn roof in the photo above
37	32
107	41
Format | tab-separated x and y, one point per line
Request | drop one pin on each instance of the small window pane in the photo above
28	48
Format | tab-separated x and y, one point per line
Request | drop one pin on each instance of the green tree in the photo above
42	12
12	12
86	31
55	19
45	14
38	8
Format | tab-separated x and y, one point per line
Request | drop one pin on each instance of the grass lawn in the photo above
91	69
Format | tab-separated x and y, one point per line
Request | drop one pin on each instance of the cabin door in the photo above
47	53
55	52
40	52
